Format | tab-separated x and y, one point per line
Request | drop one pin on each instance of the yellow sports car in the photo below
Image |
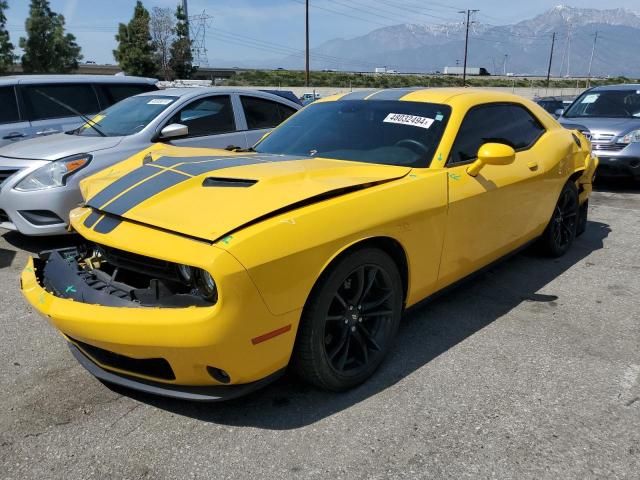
205	273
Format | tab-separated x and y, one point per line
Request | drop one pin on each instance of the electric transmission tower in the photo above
198	25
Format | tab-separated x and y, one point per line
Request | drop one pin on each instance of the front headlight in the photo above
206	286
631	137
54	174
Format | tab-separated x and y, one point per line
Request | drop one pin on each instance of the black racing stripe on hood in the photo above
164	173
120	185
144	191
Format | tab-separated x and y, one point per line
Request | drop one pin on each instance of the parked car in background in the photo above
555	105
309	97
39	177
29	108
610	116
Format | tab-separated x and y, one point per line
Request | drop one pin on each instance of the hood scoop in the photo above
228	182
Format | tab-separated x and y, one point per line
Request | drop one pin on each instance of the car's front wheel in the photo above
350	320
563	226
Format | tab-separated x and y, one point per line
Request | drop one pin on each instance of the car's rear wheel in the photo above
350	320
561	231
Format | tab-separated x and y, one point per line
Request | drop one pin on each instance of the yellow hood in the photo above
211	194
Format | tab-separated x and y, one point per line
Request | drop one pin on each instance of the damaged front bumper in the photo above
193	352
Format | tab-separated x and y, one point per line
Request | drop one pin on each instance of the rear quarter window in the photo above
262	113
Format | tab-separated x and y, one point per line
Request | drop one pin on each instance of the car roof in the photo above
430	95
620	87
116	79
192	92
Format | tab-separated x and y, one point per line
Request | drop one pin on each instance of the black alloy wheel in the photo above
562	229
350	321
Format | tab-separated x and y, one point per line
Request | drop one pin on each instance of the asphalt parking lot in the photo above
531	370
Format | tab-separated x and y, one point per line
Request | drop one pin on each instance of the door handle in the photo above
48	131
533	166
14	135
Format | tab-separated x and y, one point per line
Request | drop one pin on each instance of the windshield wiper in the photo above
87	120
236	149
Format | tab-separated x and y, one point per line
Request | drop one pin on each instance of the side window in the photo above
261	113
115	93
9	111
207	116
501	123
38	101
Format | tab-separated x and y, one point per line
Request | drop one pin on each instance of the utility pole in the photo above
568	49
504	64
553	43
593	51
466	44
306	75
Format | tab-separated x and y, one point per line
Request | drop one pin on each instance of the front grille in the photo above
140	264
4	217
608	147
6	173
602	137
149	367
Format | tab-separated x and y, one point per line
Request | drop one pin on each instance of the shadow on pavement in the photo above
426	332
616	185
6	257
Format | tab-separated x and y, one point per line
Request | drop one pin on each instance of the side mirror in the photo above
175	130
559	112
492	154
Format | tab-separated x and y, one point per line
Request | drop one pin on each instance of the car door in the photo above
13	127
262	115
45	108
497	211
211	121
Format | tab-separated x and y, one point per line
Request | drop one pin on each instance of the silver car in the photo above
610	116
29	108
39	178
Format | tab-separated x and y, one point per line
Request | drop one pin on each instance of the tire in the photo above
349	322
562	228
583	217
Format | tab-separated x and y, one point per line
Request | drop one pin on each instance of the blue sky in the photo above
245	30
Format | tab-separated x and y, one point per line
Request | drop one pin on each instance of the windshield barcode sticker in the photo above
159	101
412	120
590	98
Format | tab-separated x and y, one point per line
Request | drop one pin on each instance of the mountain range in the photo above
522	48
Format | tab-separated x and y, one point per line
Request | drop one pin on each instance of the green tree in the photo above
47	49
135	52
6	47
181	56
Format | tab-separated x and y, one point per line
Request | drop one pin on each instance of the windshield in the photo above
128	116
606	103
371	131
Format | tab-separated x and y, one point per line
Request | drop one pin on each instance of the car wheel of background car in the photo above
562	228
350	320
583	217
